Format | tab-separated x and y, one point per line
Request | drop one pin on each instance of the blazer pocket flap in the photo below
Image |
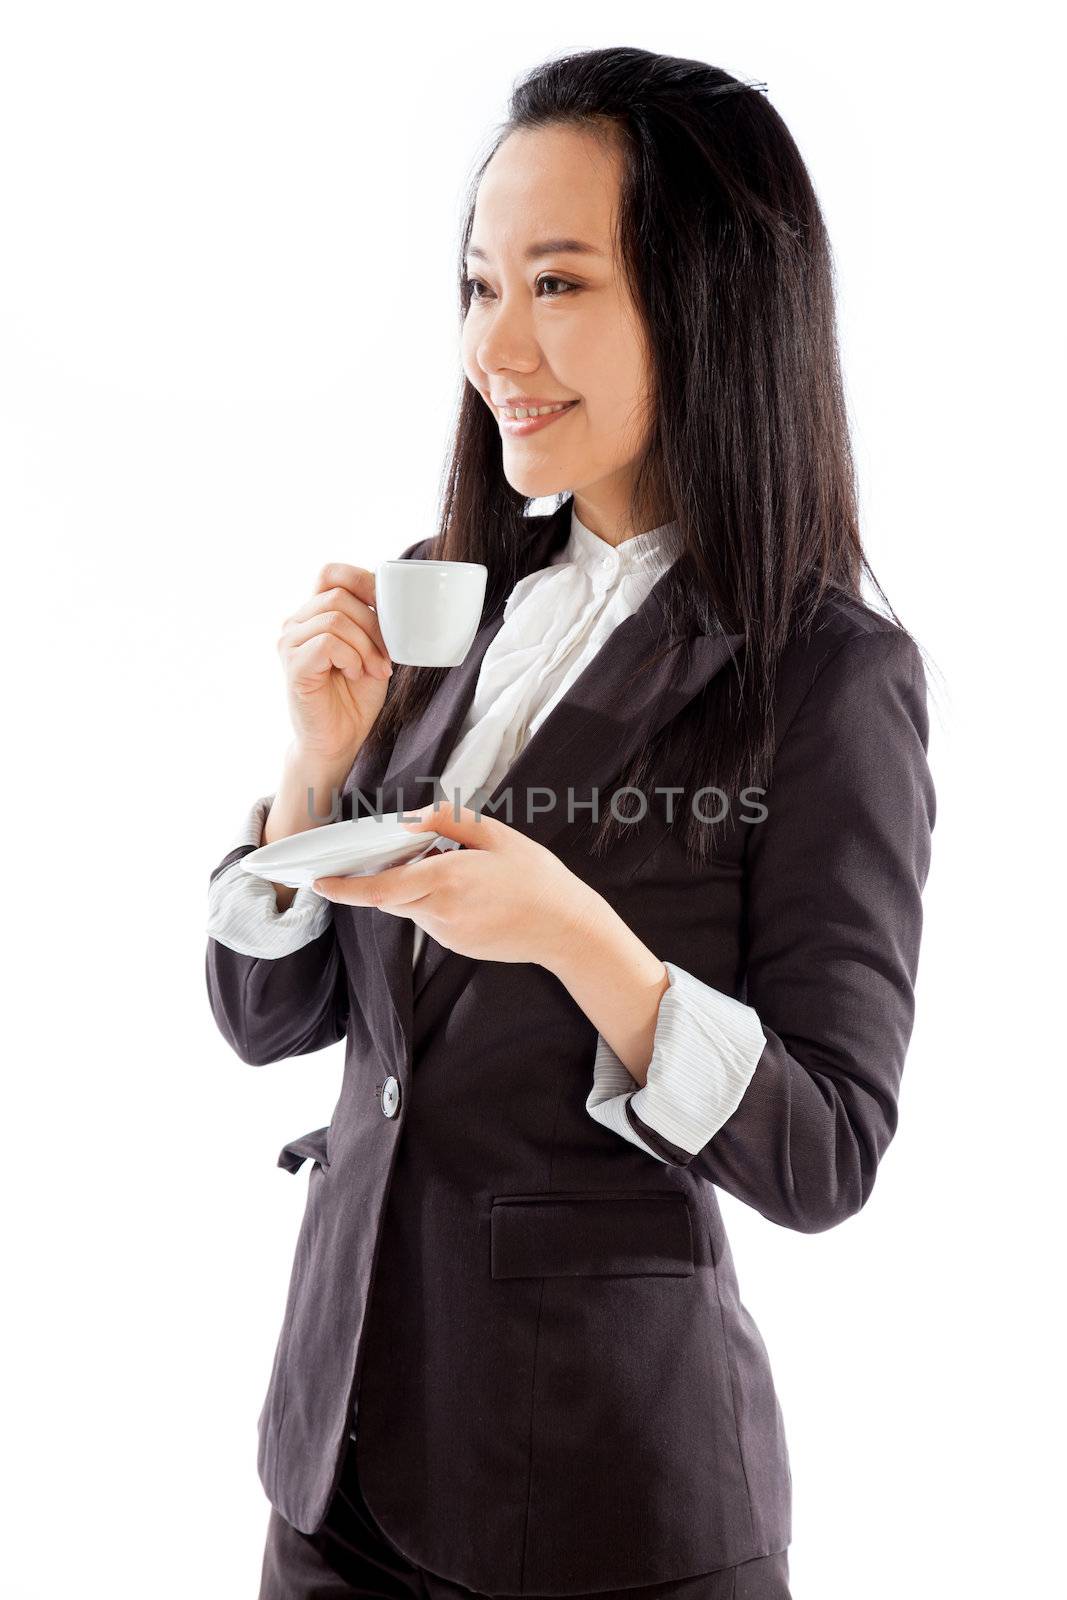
592	1235
309	1147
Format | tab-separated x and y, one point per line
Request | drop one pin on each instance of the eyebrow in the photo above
544	247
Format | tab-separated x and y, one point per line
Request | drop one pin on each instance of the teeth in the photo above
517	413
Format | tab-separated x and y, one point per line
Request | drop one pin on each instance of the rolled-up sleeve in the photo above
704	1052
276	982
834	881
243	910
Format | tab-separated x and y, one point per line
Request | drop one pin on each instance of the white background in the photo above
228	257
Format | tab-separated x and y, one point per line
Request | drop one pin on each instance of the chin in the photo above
537	479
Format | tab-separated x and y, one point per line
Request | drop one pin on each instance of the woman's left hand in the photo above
502	898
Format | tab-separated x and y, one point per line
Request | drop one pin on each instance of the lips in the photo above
528	403
519	427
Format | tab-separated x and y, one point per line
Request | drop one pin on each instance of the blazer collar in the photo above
584	744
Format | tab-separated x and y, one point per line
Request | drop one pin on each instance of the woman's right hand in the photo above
336	665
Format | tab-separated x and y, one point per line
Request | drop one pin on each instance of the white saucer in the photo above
341	850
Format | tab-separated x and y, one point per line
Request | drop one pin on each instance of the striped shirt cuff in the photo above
243	909
704	1052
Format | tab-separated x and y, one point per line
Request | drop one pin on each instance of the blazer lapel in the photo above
583	745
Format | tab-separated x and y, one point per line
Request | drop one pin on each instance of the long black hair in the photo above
722	239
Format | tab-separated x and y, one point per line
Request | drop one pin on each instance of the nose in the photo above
507	343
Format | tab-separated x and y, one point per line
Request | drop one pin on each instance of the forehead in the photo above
545	184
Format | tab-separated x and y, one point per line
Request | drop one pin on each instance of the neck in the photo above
614	529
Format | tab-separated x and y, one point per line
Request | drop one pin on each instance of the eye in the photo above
567	287
476	283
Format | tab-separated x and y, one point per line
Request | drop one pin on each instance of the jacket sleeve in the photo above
271	1006
276	981
835	874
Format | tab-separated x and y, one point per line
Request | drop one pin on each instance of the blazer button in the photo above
389	1092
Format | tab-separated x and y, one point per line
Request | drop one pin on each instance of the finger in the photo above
360	580
336	597
393	889
322	651
357	581
461	823
341	626
336	604
419	818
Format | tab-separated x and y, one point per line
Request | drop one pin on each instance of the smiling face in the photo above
557	322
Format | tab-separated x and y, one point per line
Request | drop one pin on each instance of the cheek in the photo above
610	372
615	424
468	357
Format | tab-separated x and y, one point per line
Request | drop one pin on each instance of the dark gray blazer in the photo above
559	1388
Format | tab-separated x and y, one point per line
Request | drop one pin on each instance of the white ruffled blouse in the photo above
707	1044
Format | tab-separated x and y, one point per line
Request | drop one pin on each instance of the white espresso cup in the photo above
429	611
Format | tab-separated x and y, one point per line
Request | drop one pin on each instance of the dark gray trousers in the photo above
350	1556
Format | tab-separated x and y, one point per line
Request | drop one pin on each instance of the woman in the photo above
514	1357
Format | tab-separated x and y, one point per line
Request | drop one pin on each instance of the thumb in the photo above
452	822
